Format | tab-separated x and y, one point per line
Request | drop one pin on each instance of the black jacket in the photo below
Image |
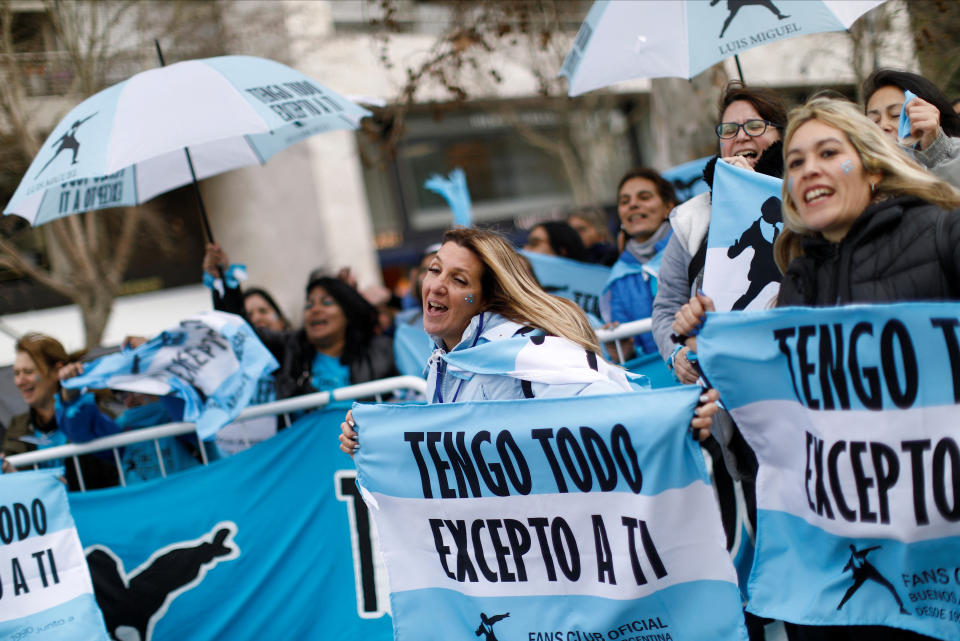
897	250
295	354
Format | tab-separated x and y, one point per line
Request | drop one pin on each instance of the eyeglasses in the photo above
753	127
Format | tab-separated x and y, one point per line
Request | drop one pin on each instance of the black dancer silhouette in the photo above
763	268
486	625
68	141
863	570
131	604
733	6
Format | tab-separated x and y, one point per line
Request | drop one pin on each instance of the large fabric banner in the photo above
572	519
853	415
580	282
687	179
45	589
212	361
745	219
273	542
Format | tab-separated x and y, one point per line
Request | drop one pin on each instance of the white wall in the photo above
141	314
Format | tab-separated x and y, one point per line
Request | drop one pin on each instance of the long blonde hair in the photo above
899	175
511	291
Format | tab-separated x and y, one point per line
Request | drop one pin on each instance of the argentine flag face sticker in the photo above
574	519
852	413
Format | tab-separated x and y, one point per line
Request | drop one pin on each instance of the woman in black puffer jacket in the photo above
864	224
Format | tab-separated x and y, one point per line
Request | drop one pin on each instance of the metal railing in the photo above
624	330
376	389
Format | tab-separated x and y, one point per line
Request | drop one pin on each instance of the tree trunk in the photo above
682	116
95	311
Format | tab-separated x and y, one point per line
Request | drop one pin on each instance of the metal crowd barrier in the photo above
376	389
624	330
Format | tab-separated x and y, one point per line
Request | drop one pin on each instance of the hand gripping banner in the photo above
745	220
212	361
573	519
45	588
853	415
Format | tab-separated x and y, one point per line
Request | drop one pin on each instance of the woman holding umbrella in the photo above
337	346
751	121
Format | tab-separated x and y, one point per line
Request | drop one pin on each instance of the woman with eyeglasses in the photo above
751	122
749	133
934	139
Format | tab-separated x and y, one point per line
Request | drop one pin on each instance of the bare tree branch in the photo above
10	257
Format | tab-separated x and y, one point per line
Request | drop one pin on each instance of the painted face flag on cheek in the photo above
212	361
580	282
580	518
46	592
745	220
853	414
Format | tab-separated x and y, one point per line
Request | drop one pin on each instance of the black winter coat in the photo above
902	249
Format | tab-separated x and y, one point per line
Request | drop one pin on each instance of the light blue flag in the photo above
454	190
45	588
904	126
411	345
580	282
272	538
212	361
852	413
687	179
573	518
745	220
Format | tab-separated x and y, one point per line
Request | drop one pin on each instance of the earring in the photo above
873	188
468	298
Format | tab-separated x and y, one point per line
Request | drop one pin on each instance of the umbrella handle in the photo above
193	174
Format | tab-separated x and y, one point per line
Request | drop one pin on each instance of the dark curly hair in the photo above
361	315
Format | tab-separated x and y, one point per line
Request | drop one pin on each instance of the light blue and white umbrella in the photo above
125	145
625	39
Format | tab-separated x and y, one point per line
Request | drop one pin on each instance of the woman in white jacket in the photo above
498	335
